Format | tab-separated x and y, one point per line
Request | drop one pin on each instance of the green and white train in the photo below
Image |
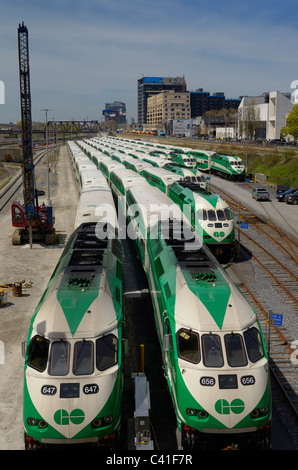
213	350
188	174
209	215
226	166
73	366
207	212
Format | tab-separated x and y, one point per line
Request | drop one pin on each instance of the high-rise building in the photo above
201	101
115	111
167	105
148	86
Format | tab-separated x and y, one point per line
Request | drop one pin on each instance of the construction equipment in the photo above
34	222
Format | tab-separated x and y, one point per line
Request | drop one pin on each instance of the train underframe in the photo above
107	443
228	176
192	439
223	252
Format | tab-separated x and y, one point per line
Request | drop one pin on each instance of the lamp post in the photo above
49	202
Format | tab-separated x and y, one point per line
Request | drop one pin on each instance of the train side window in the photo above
59	358
106	352
193	217
254	344
38	353
211	350
167	332
235	350
83	358
188	345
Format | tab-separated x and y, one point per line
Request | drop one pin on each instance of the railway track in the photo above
273	260
16	182
283	361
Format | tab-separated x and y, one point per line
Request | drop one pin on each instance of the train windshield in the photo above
235	350
211	350
59	358
221	215
213	215
38	353
254	344
188	345
106	351
83	358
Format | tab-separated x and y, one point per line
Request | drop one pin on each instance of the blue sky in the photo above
86	53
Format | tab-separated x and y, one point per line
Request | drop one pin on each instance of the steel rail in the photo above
282	338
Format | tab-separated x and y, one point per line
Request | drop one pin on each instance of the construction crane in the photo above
34	222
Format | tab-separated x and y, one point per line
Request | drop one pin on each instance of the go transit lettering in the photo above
223	407
63	418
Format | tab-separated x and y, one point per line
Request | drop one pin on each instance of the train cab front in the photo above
226	402
68	400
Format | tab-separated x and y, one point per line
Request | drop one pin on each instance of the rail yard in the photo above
263	267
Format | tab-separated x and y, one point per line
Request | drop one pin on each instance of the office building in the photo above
115	112
262	117
165	106
149	86
201	101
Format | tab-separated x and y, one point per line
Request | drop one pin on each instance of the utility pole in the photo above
49	202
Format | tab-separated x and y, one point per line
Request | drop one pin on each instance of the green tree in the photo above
291	127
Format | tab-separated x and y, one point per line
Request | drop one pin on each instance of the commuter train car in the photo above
73	369
203	158
90	177
209	215
213	349
120	181
185	160
226	166
188	174
156	161
107	166
96	204
136	165
160	178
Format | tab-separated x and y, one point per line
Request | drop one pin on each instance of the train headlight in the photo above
264	410
202	414
259	411
108	419
32	421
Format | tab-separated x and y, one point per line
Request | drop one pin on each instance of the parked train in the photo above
207	212
209	215
73	367
226	166
214	354
189	174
